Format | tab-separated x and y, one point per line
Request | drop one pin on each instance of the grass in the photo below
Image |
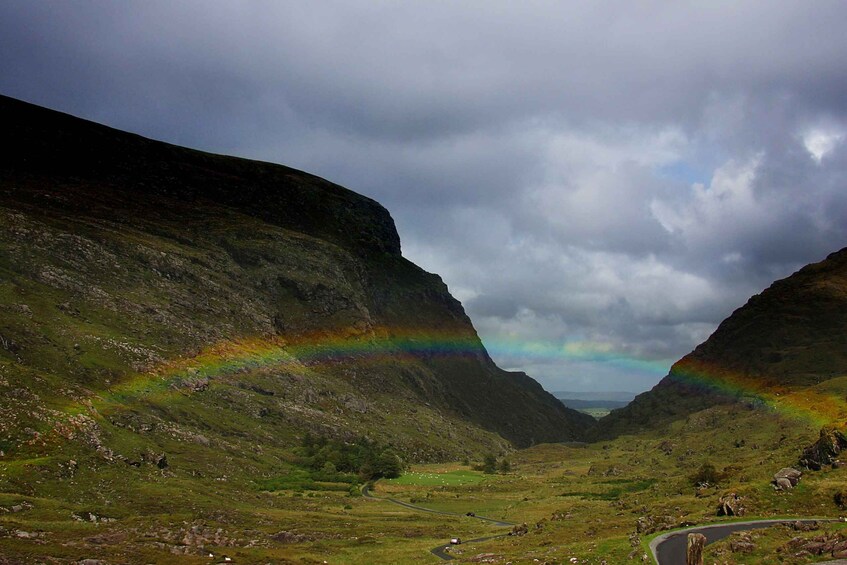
609	486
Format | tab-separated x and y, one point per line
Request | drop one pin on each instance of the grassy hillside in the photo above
790	337
173	323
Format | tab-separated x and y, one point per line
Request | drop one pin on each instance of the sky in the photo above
600	183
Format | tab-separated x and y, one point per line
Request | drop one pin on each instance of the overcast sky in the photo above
600	183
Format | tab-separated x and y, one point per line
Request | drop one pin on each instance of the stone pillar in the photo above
694	554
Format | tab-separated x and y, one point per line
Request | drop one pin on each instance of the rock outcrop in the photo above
731	505
825	451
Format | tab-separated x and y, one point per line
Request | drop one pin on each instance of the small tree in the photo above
489	464
706	475
388	465
505	466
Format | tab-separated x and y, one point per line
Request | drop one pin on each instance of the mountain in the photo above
161	299
791	337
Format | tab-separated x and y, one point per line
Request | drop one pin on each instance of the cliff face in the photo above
791	336
229	298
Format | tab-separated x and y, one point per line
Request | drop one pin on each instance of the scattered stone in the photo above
485	558
650	524
291	537
561	515
744	544
91	517
666	447
519	530
160	460
825	451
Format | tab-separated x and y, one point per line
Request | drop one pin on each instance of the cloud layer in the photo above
601	180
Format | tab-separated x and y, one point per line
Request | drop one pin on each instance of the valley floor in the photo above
596	503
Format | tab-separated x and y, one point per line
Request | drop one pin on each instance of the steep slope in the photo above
160	290
790	337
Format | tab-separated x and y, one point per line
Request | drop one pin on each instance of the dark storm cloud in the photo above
610	178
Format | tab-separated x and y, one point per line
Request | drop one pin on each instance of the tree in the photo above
706	475
388	465
505	466
489	464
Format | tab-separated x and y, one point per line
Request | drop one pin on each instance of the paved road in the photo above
669	549
442	551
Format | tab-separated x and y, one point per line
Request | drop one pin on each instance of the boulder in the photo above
782	484
731	505
742	546
694	549
825	451
789	474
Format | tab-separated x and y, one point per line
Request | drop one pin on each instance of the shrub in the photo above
706	475
489	464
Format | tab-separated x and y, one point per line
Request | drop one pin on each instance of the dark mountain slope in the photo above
793	335
228	298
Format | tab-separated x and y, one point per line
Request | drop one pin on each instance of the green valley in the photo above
207	359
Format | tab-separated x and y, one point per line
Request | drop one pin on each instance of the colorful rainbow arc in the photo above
229	358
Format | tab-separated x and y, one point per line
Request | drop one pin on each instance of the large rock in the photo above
825	451
731	505
787	478
694	549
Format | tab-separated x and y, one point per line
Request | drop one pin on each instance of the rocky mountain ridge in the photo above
124	257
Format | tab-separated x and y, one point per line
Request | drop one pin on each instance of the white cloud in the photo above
729	202
819	142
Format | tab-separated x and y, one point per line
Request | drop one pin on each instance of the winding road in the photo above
667	549
442	551
670	548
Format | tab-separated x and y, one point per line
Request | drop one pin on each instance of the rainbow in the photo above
809	404
227	359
